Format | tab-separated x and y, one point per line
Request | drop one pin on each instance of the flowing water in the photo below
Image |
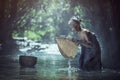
51	67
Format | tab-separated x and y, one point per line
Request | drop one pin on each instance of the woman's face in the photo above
73	25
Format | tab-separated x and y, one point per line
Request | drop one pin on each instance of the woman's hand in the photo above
69	38
73	40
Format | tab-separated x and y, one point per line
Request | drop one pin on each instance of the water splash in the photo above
69	69
69	64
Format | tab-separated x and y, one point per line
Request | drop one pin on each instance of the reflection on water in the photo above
53	67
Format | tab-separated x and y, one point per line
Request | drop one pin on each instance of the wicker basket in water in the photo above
27	61
66	47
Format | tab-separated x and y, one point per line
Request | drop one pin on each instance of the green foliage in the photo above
15	34
45	19
31	35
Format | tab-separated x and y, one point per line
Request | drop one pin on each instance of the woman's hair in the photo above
76	20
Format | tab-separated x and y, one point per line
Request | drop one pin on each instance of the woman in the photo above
90	58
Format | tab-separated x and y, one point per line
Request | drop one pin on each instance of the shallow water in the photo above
52	67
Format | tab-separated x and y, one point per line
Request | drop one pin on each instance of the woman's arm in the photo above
81	42
84	43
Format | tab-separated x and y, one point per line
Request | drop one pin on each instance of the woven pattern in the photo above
67	48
